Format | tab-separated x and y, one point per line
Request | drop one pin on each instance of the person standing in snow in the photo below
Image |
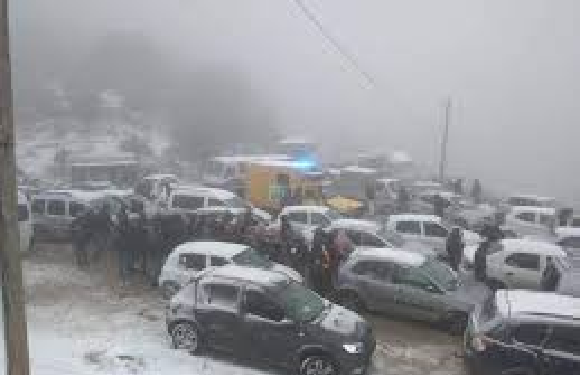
455	248
81	234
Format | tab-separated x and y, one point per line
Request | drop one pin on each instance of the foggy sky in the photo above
511	67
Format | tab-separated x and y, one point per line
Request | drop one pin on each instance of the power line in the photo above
349	57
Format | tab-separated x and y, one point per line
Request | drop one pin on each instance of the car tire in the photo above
318	364
169	289
456	322
351	301
186	336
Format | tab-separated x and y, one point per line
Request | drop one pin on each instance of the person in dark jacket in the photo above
123	245
455	248
81	228
316	260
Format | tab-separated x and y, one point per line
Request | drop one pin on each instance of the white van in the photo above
24	222
191	198
531	221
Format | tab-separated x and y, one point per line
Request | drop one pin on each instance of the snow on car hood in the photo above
288	272
343	321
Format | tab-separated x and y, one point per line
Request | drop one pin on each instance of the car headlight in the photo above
353	348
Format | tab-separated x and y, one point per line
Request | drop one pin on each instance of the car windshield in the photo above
392	238
440	274
251	258
333	215
299	303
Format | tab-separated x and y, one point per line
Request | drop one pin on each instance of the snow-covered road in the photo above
79	325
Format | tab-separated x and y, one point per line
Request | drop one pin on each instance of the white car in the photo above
531	221
309	217
426	229
189	259
516	263
187	199
24	222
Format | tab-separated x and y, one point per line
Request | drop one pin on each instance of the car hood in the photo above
277	267
342	322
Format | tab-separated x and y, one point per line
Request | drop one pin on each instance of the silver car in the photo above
408	284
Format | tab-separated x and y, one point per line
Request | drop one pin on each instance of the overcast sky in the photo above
510	66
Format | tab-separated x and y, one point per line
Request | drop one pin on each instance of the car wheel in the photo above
185	336
169	289
456	323
318	365
351	301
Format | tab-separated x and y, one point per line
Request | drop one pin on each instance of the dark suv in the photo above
266	316
524	333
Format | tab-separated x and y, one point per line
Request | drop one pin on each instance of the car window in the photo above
523	260
564	339
319	219
546	220
298	217
56	207
376	270
575	222
38	206
370	240
408	227
572	242
218	261
187	202
23	213
215	203
258	304
526	216
195	262
75	209
222	295
530	334
434	230
412	277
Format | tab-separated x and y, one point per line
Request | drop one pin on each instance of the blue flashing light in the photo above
305	164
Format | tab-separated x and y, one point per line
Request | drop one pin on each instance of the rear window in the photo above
526	216
56	208
408	227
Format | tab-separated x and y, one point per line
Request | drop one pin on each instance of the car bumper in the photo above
357	364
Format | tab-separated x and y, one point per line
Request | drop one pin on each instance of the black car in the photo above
524	333
263	315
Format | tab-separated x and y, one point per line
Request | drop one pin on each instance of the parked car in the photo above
187	199
531	221
264	315
189	259
426	229
363	234
259	217
569	239
24	223
524	333
407	284
53	212
308	217
522	263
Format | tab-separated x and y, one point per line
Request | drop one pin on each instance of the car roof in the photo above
398	256
160	176
540	210
532	197
357	169
532	247
204	191
415	217
320	209
212	248
522	303
563	232
257	276
357	224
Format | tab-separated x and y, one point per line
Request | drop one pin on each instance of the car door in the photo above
561	354
189	265
218	314
409	230
417	296
269	334
435	235
375	284
522	271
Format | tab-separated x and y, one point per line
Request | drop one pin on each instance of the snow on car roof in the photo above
532	197
22	198
161	176
426	184
532	247
568	232
399	256
249	158
357	169
319	209
387	181
250	274
355	224
540	210
205	191
224	249
415	217
523	302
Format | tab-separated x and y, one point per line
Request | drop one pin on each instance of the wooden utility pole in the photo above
13	308
444	139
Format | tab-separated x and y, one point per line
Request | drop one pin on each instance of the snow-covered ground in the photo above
79	324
